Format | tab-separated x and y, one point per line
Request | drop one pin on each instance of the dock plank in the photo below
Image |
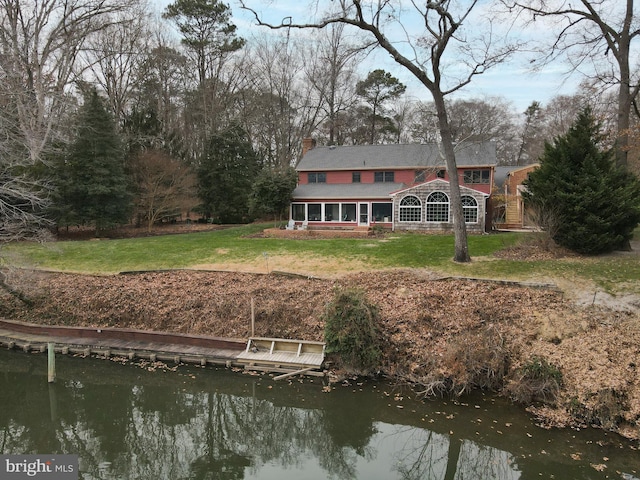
283	352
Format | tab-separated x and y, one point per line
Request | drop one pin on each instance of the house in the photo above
511	212
398	186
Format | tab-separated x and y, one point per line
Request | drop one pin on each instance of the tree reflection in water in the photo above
125	422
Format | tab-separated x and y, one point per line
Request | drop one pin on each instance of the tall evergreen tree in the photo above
206	30
271	191
595	205
227	171
92	186
376	90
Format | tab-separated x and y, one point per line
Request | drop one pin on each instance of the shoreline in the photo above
433	328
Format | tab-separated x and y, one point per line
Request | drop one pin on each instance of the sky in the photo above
512	81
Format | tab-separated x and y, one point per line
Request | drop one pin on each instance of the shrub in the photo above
593	204
476	360
351	330
535	380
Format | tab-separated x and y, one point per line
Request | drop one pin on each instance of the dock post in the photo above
253	317
52	362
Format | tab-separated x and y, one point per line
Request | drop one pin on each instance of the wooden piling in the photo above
52	362
253	317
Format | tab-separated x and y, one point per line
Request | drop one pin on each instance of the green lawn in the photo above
618	272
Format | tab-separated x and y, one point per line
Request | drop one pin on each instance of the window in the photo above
317	177
379	177
348	212
476	176
420	176
355	177
331	212
437	208
440	173
298	211
410	209
469	209
315	212
381	212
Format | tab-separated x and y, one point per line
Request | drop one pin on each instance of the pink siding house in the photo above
401	187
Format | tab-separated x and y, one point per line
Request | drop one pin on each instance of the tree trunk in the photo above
453	457
459	226
624	102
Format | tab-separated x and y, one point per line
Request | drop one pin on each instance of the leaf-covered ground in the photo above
433	328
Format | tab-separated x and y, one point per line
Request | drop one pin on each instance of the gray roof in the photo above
394	156
316	191
439	183
501	173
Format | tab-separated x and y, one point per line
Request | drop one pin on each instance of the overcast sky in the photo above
512	81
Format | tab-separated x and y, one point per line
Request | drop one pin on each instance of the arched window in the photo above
437	207
410	209
469	209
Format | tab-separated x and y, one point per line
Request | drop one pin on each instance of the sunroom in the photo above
427	207
361	205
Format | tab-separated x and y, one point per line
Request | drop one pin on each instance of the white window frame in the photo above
406	211
434	209
470	211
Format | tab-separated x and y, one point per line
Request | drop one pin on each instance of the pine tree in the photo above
92	186
594	204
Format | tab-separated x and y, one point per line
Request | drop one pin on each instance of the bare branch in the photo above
601	33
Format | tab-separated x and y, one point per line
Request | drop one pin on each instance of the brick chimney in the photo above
308	144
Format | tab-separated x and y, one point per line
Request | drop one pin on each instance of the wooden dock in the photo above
284	356
129	343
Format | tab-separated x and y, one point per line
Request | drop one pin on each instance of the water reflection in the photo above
126	422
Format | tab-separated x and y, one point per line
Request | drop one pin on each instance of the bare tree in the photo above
276	68
333	75
404	114
278	106
446	24
482	120
597	34
23	202
162	82
115	57
543	123
40	41
475	119
165	187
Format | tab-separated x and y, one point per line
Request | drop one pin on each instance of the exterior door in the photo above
363	214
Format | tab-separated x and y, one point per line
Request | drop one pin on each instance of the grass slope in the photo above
240	247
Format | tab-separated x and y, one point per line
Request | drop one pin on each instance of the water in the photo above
133	422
